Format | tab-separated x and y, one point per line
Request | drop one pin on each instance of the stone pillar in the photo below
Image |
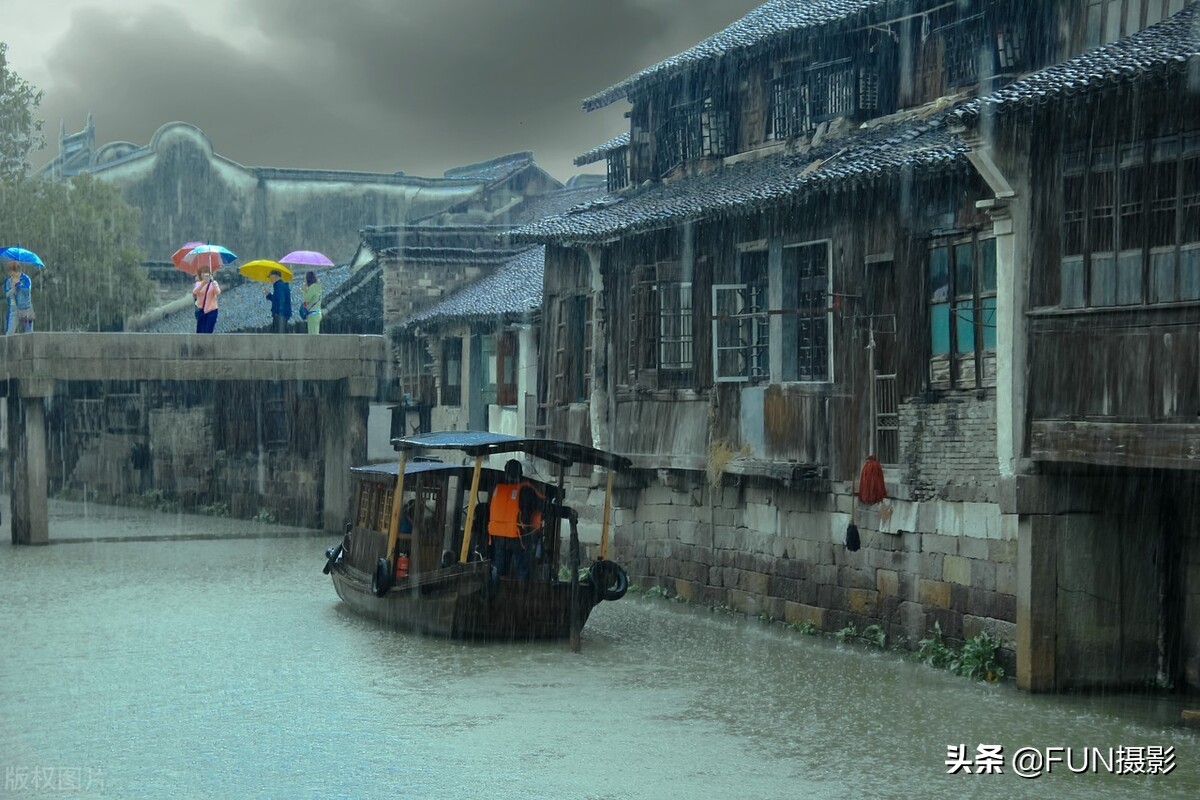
1037	603
602	385
343	421
30	515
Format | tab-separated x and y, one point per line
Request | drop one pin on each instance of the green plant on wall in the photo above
976	660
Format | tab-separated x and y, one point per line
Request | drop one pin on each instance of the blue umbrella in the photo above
21	255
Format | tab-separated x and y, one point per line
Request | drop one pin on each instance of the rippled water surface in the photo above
229	669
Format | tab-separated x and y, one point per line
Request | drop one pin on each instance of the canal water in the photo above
227	668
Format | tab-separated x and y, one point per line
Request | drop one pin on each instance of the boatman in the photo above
514	517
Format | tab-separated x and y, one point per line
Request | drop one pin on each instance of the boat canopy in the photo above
482	443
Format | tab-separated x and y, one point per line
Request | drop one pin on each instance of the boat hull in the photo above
461	603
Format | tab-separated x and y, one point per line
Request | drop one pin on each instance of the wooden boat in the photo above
423	564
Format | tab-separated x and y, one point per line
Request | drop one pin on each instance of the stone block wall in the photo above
948	447
181	447
765	549
183	466
292	487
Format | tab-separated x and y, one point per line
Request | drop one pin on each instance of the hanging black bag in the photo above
852	540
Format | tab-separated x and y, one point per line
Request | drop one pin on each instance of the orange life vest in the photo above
504	511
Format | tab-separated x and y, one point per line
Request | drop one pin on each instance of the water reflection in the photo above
229	669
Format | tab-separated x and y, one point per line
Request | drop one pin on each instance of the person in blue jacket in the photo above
280	295
18	294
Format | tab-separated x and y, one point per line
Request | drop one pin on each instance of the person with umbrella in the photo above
206	292
280	295
310	306
18	294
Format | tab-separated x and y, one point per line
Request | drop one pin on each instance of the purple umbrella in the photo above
306	258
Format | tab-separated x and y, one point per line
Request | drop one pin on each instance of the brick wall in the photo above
948	447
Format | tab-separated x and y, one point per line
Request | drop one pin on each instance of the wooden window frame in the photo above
508	353
974	304
617	169
1106	21
741	320
691	130
807	324
452	378
1139	234
661	352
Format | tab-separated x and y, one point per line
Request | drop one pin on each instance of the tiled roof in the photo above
513	290
494	170
601	151
243	308
1169	45
772	19
550	203
838	162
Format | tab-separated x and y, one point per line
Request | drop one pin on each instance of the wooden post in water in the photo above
607	514
465	550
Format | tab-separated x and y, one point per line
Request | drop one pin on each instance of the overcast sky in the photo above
378	85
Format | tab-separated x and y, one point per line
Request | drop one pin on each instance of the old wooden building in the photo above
838	230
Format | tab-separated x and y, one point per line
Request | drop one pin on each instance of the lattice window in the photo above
789	107
741	325
661	328
833	89
692	130
806	321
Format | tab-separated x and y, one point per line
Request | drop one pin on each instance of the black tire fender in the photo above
381	581
609	579
331	557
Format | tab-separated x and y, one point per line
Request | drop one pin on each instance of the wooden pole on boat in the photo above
573	564
394	522
554	554
465	550
607	514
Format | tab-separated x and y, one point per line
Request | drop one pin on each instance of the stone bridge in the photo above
348	370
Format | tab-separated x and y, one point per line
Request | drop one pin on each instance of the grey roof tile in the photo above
864	155
773	19
514	289
601	151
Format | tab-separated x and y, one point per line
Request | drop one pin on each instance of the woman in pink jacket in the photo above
205	292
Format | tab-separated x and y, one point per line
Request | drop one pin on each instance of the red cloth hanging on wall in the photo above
870	483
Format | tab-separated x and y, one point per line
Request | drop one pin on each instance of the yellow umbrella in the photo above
261	269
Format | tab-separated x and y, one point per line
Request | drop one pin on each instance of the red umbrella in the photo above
177	258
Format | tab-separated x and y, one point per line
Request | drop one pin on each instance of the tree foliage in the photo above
20	129
83	230
93	279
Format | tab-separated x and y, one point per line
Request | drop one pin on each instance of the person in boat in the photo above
514	518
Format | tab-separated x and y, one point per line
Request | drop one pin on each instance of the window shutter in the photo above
488	361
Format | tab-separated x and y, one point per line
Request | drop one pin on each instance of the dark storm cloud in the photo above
373	84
